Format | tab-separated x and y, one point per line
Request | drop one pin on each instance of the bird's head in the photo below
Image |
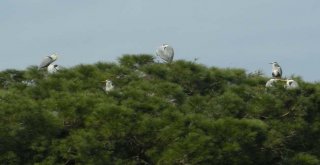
289	82
275	64
54	57
165	46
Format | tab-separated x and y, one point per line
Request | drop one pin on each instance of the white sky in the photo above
231	33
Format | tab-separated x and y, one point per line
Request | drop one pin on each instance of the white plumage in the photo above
29	83
165	52
140	74
48	60
271	82
52	68
291	84
276	70
109	86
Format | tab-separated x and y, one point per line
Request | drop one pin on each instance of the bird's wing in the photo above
165	53
269	83
159	51
50	68
280	71
45	62
169	53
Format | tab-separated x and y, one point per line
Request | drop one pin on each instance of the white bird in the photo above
291	84
276	70
53	68
140	74
47	61
165	52
271	82
109	86
29	83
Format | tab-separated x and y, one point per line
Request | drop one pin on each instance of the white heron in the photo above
291	84
109	86
47	61
271	82
276	70
165	52
52	68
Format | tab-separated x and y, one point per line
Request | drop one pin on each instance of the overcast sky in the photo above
244	34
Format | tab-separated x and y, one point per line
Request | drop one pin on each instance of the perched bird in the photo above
29	82
271	82
47	61
276	70
165	52
291	84
140	74
52	68
109	86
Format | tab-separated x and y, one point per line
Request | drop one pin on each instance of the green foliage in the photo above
177	113
304	159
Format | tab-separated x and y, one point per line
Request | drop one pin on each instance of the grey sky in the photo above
231	33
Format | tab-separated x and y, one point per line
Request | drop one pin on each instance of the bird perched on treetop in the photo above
271	82
291	84
165	52
109	86
276	70
52	68
47	61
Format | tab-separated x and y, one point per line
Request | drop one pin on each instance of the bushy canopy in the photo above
177	113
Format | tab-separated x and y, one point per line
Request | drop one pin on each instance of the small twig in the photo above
285	114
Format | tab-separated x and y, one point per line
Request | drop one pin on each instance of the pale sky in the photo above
244	34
